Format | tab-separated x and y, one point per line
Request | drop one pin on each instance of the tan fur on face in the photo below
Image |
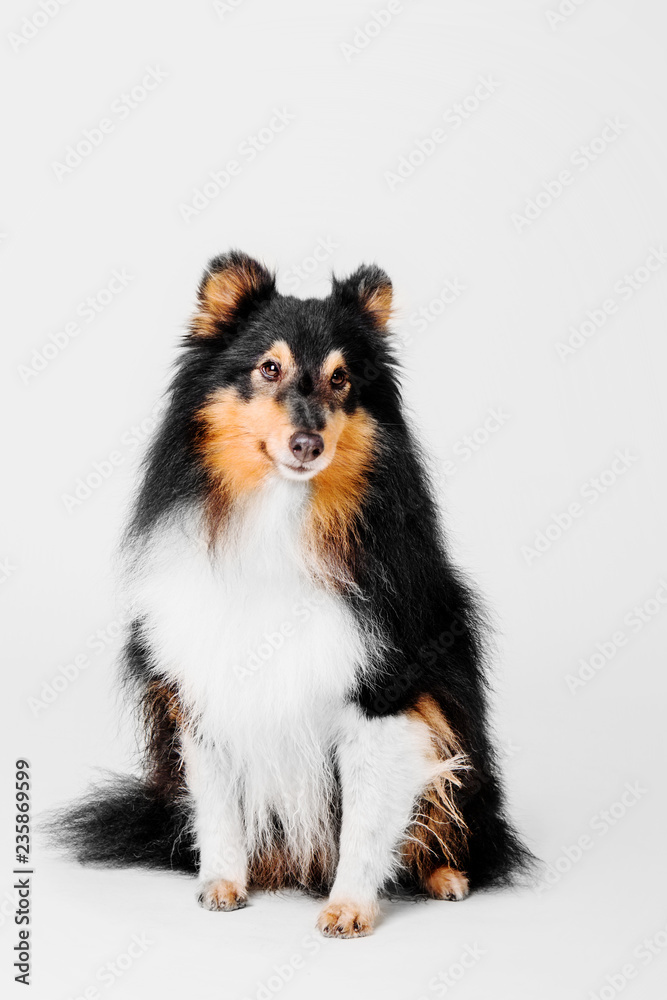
281	353
331	363
347	919
222	293
438	829
339	490
242	441
237	435
333	395
240	438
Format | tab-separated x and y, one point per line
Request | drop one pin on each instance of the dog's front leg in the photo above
223	867
383	767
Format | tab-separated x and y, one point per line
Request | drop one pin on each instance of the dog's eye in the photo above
339	378
270	370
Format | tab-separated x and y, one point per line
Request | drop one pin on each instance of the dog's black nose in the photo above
306	447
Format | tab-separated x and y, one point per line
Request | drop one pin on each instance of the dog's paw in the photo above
346	919
220	894
447	883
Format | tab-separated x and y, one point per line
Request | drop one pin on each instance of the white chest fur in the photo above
263	656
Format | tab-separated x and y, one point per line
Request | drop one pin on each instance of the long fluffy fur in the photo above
125	822
376	549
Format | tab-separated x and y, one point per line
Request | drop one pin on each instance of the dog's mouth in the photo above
300	471
287	458
297	468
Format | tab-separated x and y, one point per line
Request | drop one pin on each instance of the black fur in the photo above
433	626
125	822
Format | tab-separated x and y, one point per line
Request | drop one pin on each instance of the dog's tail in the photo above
498	856
125	822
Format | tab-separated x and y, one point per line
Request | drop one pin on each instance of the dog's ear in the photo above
232	286
369	292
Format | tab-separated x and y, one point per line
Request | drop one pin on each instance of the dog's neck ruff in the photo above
263	655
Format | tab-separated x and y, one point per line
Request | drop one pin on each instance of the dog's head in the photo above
293	387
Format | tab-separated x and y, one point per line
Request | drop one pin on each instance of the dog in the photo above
309	664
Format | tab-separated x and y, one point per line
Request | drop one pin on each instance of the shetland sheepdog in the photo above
308	663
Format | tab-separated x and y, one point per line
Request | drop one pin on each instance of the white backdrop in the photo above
505	162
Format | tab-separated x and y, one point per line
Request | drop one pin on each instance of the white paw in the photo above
219	894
